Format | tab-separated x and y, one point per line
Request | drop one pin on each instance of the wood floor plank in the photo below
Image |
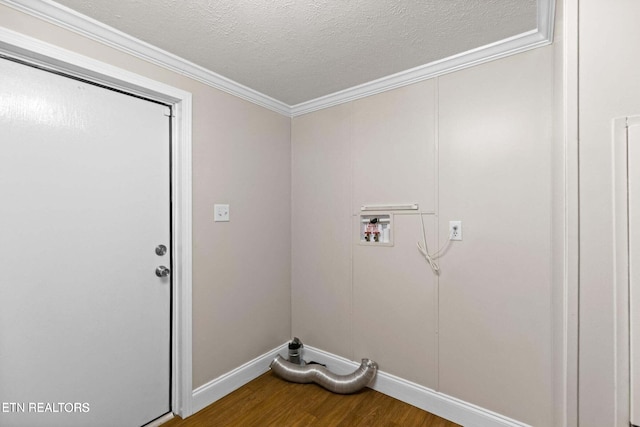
371	408
270	401
336	408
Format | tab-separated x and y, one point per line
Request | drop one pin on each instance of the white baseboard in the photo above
206	394
159	421
440	404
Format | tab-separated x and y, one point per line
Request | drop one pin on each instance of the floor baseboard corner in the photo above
422	397
217	388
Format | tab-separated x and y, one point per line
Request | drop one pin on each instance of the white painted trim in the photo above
159	421
621	279
440	404
19	46
210	392
546	18
182	346
69	19
501	49
542	36
621	270
571	283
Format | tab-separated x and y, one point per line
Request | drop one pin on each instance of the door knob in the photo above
162	271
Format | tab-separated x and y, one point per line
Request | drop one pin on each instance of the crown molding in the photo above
69	19
507	47
542	36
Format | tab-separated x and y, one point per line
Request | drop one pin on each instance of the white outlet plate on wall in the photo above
220	213
455	230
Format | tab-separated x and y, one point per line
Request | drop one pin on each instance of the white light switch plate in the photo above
220	213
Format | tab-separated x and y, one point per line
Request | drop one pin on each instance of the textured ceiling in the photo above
298	50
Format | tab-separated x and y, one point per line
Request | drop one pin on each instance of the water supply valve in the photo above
375	229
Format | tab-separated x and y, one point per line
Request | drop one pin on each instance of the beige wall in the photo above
394	292
321	229
496	287
241	156
609	87
475	146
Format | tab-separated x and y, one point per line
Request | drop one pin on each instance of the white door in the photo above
84	202
633	160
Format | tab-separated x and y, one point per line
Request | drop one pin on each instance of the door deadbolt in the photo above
161	250
162	271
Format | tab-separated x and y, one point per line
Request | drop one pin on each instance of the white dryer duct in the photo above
314	373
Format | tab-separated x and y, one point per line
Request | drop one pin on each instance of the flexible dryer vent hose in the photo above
342	384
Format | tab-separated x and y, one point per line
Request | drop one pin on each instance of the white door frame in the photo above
621	272
34	51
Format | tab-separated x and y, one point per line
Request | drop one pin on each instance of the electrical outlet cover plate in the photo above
455	230
220	213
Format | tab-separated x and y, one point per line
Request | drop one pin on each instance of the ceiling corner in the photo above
69	19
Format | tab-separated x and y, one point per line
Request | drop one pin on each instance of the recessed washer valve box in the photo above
376	229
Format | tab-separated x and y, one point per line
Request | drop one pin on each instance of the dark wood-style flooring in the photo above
270	401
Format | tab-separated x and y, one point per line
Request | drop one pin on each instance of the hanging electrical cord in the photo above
424	249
